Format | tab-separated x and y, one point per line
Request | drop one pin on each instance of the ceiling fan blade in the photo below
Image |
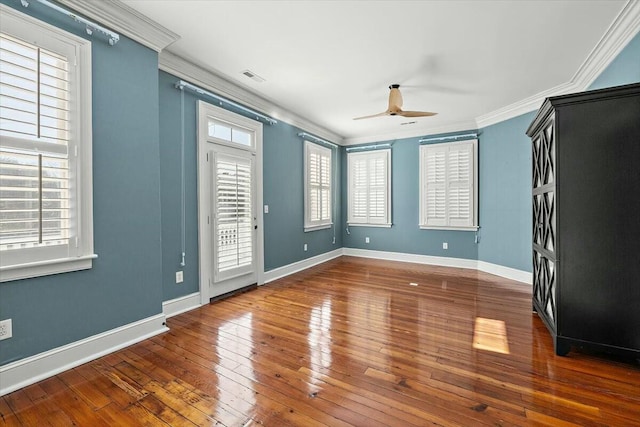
415	113
386	113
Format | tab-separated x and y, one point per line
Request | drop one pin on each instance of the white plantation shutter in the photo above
448	185
44	149
435	183
234	217
369	188
460	179
317	187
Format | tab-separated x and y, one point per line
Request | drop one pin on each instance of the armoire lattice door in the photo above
544	224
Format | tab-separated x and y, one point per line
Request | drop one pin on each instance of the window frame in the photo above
446	147
309	224
352	220
40	261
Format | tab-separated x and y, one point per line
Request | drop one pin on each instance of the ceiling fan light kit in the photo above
395	106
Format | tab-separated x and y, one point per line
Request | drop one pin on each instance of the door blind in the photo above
234	217
35	196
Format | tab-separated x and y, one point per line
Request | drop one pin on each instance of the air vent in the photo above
408	123
253	76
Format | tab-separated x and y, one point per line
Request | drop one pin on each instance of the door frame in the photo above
205	214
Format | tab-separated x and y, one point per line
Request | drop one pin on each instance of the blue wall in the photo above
404	235
505	194
284	235
624	69
124	284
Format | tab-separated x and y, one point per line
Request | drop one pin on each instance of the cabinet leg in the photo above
562	347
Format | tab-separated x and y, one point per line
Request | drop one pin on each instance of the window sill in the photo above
449	228
318	227
45	268
350	224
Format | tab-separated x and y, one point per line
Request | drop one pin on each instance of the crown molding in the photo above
621	31
412	133
126	20
206	79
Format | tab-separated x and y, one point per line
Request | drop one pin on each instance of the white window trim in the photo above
422	213
27	28
351	222
310	225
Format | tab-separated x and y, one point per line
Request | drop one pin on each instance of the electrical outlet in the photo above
366	240
179	277
445	245
305	247
6	330
266	208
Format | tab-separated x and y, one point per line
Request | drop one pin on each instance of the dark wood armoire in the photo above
586	219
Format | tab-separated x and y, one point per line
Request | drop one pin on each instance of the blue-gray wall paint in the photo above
404	235
124	284
505	194
624	69
171	188
283	173
283	161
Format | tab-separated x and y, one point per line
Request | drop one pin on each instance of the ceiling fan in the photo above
395	106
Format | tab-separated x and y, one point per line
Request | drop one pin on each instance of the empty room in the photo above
319	213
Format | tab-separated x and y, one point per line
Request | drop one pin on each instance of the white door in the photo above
229	194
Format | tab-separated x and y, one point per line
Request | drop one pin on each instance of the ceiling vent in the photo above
253	76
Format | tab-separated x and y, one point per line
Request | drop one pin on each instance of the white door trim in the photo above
205	216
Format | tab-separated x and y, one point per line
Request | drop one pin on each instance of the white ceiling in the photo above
330	61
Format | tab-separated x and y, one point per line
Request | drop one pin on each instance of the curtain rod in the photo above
91	26
369	147
316	139
451	137
181	84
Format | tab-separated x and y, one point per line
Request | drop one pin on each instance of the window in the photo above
46	223
369	188
448	185
229	134
317	187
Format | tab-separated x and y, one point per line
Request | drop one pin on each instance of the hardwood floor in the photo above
347	343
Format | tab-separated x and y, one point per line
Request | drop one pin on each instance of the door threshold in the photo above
232	293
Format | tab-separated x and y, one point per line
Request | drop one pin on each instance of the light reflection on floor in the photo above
491	335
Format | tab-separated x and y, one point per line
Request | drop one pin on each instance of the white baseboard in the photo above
419	259
32	369
181	304
487	267
277	273
507	272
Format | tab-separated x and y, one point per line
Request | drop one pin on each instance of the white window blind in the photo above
369	188
317	187
43	150
448	196
234	217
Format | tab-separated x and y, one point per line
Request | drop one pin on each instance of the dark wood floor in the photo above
349	342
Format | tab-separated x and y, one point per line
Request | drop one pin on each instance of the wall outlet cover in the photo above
6	329
179	277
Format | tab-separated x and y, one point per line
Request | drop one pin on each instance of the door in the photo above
229	194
